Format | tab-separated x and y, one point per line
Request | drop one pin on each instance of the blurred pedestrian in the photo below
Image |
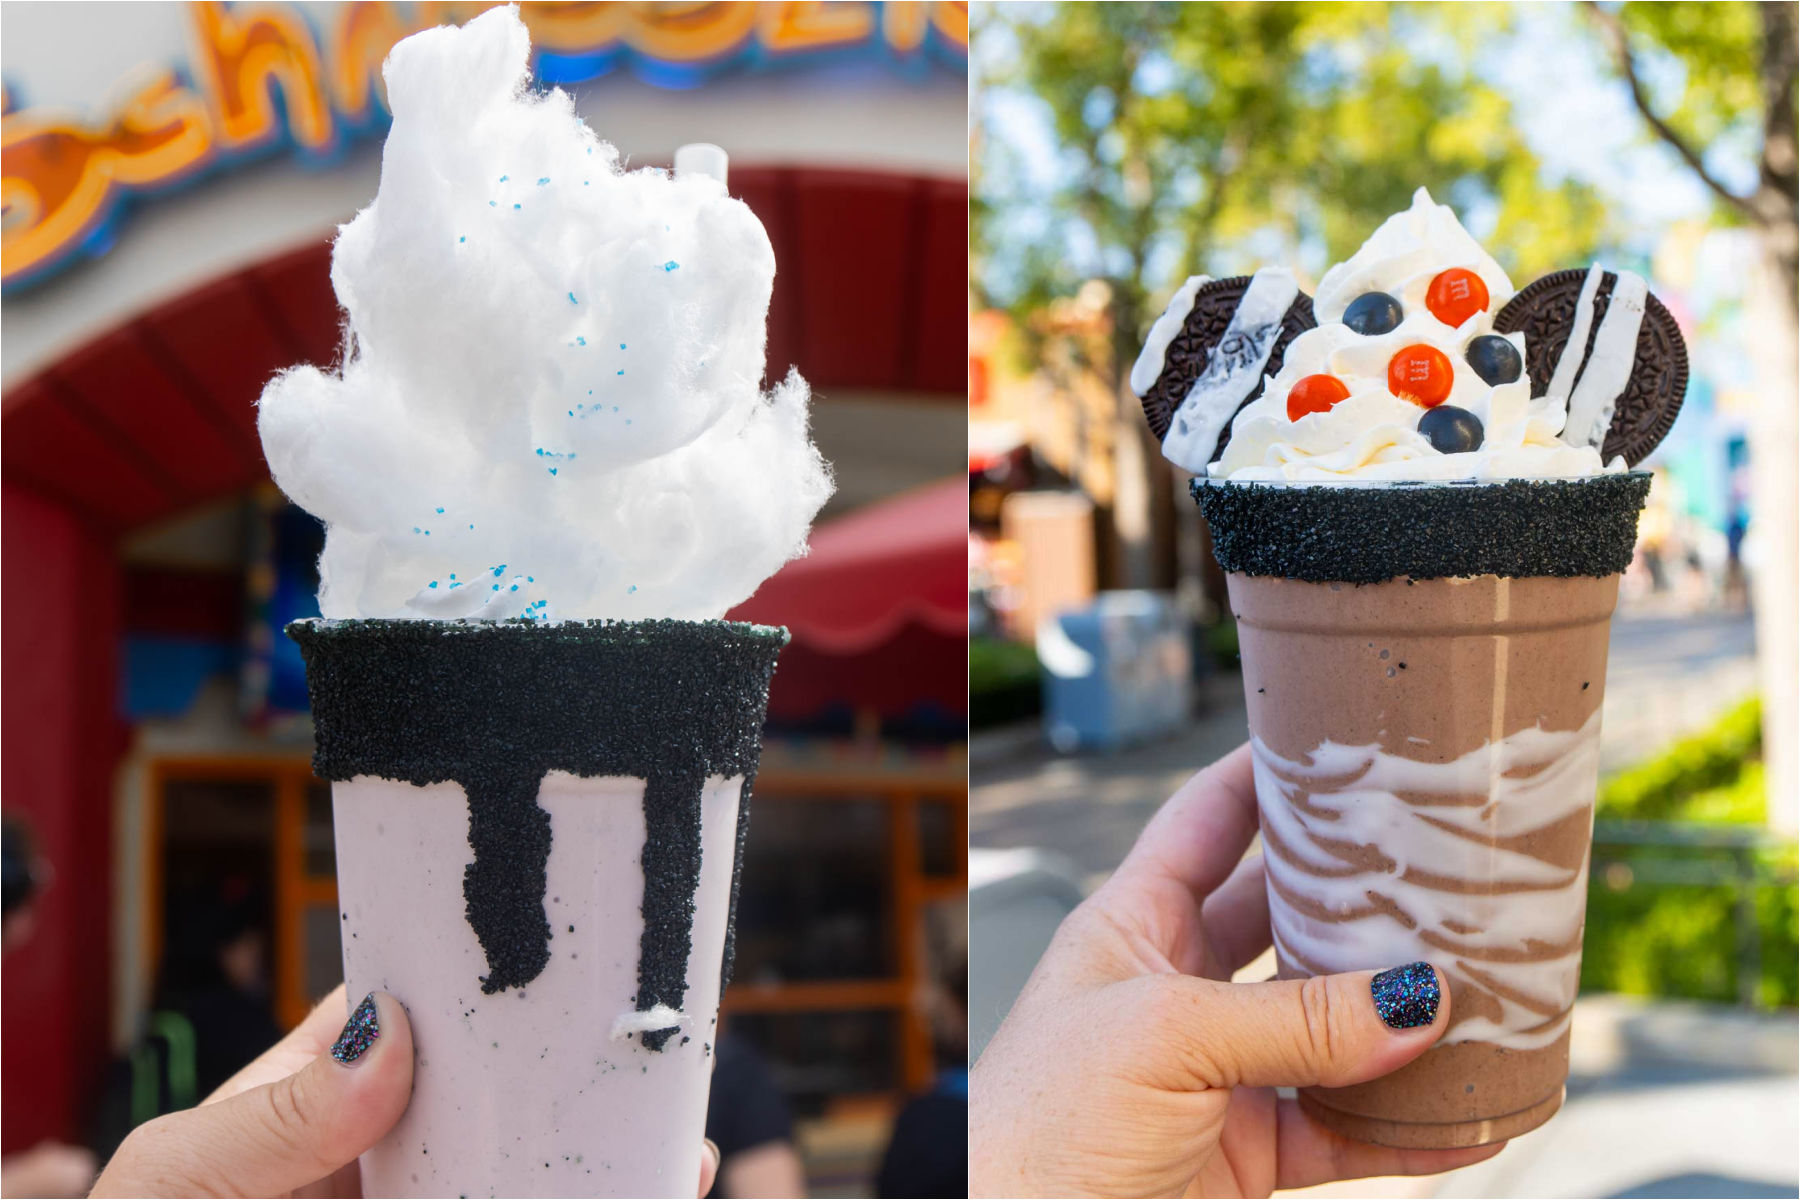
928	1154
747	1119
50	1168
214	975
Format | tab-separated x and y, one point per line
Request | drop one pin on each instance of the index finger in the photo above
309	1039
1197	837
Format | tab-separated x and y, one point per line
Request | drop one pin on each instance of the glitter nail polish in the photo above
1406	997
360	1032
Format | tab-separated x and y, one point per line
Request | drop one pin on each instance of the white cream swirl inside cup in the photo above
1373	434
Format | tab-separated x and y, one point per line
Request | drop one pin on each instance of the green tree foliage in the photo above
1670	920
1737	63
1219	137
1711	776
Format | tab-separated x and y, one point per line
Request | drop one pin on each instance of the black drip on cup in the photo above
493	707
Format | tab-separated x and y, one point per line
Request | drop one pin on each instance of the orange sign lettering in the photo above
262	76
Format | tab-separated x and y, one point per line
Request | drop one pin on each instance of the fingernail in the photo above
360	1032
1406	997
714	1147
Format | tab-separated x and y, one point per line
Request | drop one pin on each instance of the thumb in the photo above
1326	1031
284	1135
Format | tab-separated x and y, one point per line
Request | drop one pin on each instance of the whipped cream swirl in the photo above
1373	434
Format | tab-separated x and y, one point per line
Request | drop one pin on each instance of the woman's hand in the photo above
1130	1066
293	1122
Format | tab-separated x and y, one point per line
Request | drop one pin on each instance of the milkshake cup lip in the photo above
1208	481
592	631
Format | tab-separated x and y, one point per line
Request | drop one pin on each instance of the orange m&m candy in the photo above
1422	374
1456	295
1315	393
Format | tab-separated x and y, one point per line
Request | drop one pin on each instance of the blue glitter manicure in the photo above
360	1032
1406	997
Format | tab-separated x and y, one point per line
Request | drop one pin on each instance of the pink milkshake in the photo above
547	467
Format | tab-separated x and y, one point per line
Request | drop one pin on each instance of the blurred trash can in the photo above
1115	672
1017	898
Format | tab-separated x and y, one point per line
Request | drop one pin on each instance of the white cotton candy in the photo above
552	403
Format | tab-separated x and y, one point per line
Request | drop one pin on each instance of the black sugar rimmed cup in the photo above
494	706
1369	531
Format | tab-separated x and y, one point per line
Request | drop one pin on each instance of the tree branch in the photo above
1615	32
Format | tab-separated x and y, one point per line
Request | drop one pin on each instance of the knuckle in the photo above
1320	1028
285	1116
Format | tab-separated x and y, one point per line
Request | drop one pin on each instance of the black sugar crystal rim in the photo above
495	706
1369	533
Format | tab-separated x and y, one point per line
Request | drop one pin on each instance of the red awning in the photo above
878	609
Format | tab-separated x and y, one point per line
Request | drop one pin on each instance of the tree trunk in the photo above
1774	326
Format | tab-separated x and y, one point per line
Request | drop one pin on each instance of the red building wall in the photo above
59	742
157	416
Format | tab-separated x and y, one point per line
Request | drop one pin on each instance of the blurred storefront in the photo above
172	177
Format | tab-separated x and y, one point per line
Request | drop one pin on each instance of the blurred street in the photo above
1668	675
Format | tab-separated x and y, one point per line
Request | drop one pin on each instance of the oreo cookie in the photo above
1186	357
1550	310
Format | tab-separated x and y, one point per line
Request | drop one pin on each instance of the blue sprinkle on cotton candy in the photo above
440	510
432	584
463	238
503	179
572	299
553	470
518	206
671	265
493	204
580	341
543	181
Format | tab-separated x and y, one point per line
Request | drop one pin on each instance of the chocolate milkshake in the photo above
1423	549
1426	752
